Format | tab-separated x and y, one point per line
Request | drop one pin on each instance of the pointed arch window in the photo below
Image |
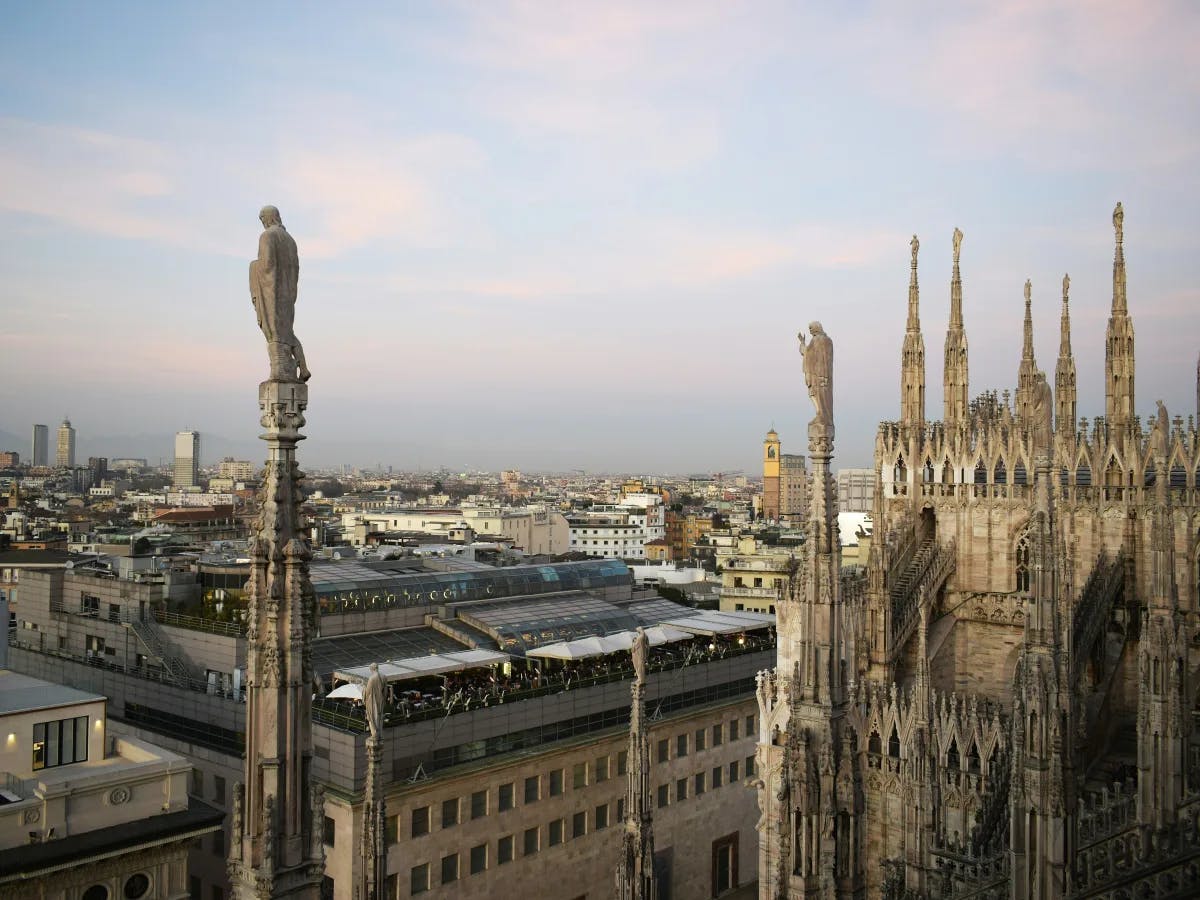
874	743
1083	475
1022	562
947	473
1149	477
952	759
1178	477
1020	475
894	744
1001	476
973	758
1112	473
980	473
927	474
900	472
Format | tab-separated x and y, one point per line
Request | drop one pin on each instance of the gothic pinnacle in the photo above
914	317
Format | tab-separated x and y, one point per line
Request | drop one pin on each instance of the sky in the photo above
579	236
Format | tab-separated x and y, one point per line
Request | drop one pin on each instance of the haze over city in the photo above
579	238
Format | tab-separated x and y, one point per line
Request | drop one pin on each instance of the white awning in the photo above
620	642
419	666
713	622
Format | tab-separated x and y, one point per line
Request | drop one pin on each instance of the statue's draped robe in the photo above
273	279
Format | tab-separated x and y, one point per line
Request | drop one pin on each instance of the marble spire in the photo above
955	373
277	848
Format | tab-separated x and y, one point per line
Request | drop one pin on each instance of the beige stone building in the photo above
84	814
1002	703
754	573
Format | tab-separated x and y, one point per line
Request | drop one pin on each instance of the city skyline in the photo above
581	239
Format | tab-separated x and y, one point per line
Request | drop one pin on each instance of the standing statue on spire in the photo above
958	236
916	245
373	701
818	371
273	279
1119	222
1066	286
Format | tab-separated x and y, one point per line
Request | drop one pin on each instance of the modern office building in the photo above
65	456
187	459
40	455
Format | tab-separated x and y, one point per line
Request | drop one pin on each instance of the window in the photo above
555	832
733	730
219	842
749	726
664	795
701	734
579	776
556	782
532	789
698	784
219	789
1023	562
330	832
450	868
504	849
620	809
506	796
681	744
60	743
601	816
419	879
136	886
450	812
579	824
680	789
478	859
733	772
622	762
749	768
716	735
530	841
601	769
664	749
716	777
420	821
479	804
197	782
391	829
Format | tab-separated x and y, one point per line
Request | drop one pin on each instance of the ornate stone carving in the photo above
273	280
119	795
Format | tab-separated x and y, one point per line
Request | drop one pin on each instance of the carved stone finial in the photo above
1066	287
1119	222
1028	291
958	236
915	245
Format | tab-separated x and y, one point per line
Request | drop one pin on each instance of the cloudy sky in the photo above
579	235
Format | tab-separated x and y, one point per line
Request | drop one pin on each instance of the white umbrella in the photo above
349	691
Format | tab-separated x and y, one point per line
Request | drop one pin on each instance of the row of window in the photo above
532	840
556	832
478	805
700	738
702	782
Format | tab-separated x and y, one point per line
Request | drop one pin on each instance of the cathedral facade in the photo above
1001	704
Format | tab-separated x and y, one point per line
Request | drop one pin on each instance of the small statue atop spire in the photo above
958	236
1028	291
1066	287
1119	223
916	245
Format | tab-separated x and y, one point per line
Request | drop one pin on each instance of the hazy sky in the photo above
579	235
